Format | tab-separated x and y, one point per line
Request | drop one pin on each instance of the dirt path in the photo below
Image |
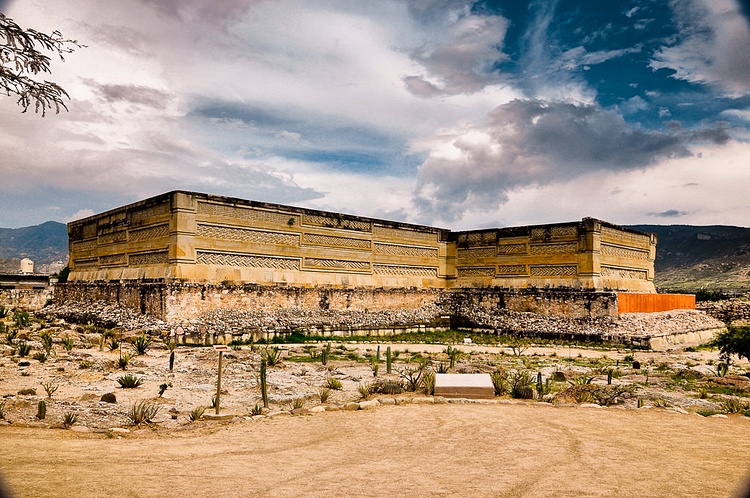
412	450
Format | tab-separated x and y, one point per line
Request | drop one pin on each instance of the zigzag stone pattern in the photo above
152	232
553	271
246	260
398	250
404	270
247	235
149	258
245	214
333	241
336	264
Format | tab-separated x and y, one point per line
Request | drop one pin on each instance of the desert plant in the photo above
389	386
428	382
581	380
365	390
142	412
272	356
129	381
453	355
41	409
41	356
324	393
2	409
256	410
388	360
3	311
10	333
23	348
412	378
196	413
298	403
375	367
640	403
263	383
733	405
333	383
722	369
68	343
21	318
500	382
46	339
70	418
609	377
123	361
520	385
325	353
608	395
171	346
50	388
113	344
141	344
163	388
518	345
441	368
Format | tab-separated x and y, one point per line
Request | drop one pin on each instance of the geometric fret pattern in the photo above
624	273
149	258
246	235
113	260
392	233
554	232
623	252
477	252
612	235
246	260
113	238
511	249
511	270
336	264
333	241
142	215
335	222
554	271
397	250
152	232
84	245
568	248
246	214
404	270
476	272
85	263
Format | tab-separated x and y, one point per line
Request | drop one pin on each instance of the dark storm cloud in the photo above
134	94
669	213
531	143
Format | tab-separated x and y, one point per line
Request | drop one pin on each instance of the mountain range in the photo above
688	258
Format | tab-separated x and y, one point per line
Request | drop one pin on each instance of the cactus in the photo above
324	356
539	385
640	402
377	355
171	361
263	384
388	360
609	377
41	410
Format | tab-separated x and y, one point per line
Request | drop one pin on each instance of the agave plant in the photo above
142	412
129	381
141	344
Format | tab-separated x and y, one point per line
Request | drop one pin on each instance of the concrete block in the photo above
471	386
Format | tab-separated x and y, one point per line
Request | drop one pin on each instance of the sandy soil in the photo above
414	450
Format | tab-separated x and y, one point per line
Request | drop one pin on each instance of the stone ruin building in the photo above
182	256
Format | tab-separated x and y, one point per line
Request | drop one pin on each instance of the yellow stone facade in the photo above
191	237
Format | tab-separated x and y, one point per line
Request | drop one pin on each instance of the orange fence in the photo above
652	303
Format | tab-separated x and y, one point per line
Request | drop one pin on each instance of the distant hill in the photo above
689	258
43	244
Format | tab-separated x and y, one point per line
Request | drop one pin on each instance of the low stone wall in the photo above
730	311
28	299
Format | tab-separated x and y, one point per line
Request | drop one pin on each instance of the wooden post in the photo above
218	383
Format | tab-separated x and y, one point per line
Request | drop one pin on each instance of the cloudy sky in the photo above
454	113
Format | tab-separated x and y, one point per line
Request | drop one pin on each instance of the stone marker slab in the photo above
471	386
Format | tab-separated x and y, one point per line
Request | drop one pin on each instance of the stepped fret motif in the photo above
511	249
334	264
246	214
393	233
404	270
478	252
89	230
113	238
113	260
612	235
511	270
333	241
247	260
396	250
149	258
624	273
554	271
152	232
85	245
334	222
476	272
247	235
85	264
568	248
142	215
622	252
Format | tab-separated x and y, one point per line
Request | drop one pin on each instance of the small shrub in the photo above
428	382
256	410
389	386
734	405
163	388
70	418
68	343
298	403
500	382
129	381
113	344
324	393
21	318
10	333
2	409
46	339
29	391
41	356
520	385
333	383
272	356
660	403
412	378
23	348
365	390
196	413
41	410
629	358
50	388
123	361
141	344
84	364
142	412
441	368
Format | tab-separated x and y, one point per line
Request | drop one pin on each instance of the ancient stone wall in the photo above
190	237
730	311
27	299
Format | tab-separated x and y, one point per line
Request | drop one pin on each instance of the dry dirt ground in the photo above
502	447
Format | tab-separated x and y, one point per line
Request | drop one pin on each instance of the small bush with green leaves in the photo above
2	409
324	393
298	403
141	344
163	388
23	348
113	344
520	385
196	413
21	318
41	356
123	361
412	378
428	382
333	383
734	405
67	343
70	418
256	410
142	412
500	382
389	386
129	381
272	356
46	339
365	390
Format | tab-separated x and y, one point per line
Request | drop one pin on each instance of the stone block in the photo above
471	386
